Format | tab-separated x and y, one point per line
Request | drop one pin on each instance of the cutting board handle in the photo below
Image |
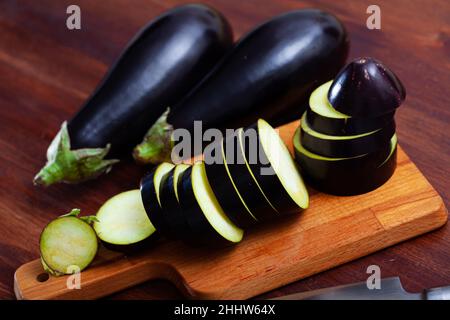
111	272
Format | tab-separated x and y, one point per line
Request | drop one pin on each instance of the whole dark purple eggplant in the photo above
269	74
157	69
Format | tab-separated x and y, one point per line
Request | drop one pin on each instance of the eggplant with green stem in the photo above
163	62
269	74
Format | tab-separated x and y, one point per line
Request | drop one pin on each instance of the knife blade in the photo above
391	289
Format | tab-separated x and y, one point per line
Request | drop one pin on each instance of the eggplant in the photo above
60	240
270	73
224	186
274	169
172	213
208	223
344	146
323	118
163	62
239	170
366	88
150	194
346	176
123	225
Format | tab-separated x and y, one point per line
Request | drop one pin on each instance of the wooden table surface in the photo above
47	71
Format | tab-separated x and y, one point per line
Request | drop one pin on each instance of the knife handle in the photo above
442	293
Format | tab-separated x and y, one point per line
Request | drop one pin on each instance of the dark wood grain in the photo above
46	71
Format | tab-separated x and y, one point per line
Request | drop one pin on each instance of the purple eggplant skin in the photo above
134	248
348	176
366	88
269	74
151	204
157	69
200	232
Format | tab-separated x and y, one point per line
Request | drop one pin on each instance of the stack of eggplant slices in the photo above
346	143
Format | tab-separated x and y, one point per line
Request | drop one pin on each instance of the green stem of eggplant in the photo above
157	144
72	166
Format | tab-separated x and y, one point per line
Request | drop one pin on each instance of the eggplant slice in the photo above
344	146
227	193
150	187
275	170
173	215
67	244
208	222
122	223
233	155
323	118
177	176
346	176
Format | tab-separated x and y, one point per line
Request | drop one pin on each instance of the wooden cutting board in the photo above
334	230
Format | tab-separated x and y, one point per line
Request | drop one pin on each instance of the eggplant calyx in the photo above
72	166
75	213
72	213
156	147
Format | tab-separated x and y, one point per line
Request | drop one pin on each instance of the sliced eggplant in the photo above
177	176
207	220
366	88
173	215
122	223
242	177
68	244
344	146
346	176
323	118
275	170
227	193
150	187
